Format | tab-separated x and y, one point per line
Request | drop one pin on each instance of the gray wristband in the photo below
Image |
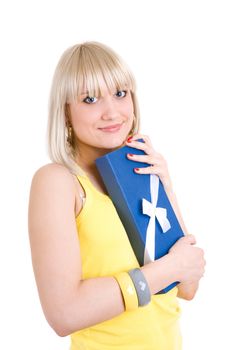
141	286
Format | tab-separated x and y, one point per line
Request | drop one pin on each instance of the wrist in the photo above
160	273
176	266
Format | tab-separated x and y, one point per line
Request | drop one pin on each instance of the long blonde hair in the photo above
83	66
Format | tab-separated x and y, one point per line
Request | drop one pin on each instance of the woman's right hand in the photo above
189	259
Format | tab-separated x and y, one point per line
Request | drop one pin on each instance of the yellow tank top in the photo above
106	250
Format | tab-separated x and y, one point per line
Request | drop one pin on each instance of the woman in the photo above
80	251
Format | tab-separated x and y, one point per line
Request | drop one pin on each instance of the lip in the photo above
111	128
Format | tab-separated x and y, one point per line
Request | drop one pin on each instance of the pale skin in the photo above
69	302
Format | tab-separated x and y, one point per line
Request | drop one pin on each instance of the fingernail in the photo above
136	169
129	154
129	139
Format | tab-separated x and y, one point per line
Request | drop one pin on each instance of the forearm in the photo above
173	200
99	299
160	273
185	290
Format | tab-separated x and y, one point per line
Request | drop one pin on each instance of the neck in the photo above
86	157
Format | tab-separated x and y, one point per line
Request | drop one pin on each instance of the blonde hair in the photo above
83	66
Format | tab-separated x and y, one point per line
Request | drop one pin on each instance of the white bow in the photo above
150	209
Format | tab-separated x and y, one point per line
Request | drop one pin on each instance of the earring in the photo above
69	138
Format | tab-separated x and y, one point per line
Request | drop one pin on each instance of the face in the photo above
103	122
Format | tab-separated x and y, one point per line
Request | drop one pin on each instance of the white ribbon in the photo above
151	209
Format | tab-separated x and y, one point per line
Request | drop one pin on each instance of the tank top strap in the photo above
90	189
83	181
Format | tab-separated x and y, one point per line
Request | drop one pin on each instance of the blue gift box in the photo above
142	205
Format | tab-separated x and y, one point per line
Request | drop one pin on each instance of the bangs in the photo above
91	69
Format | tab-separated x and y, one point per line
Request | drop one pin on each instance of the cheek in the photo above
130	114
79	124
128	109
130	106
81	118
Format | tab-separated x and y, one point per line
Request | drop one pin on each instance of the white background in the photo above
181	54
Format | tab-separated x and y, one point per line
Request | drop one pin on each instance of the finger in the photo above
139	145
146	170
152	159
142	158
146	146
138	136
143	146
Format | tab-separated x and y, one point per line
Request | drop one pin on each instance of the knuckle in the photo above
202	252
161	158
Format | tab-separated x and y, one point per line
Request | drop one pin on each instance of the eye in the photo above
90	100
121	93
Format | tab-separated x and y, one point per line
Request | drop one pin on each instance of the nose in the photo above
109	111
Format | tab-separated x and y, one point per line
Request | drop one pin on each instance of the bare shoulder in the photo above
52	172
54	182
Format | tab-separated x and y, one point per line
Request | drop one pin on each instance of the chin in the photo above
114	144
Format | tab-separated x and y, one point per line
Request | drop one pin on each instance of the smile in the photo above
111	128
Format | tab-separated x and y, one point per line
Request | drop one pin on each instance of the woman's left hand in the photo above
157	164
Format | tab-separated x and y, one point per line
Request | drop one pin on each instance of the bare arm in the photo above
186	290
69	302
